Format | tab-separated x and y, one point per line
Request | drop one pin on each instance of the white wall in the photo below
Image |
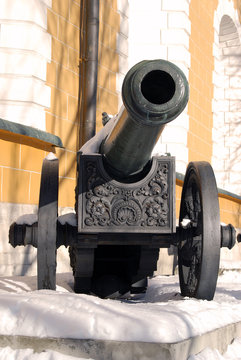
160	29
122	44
25	49
226	158
22	260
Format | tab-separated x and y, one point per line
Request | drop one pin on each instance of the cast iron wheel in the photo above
199	224
47	224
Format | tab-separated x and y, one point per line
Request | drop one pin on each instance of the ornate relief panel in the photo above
106	205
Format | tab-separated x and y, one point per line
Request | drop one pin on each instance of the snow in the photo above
233	353
92	146
230	264
161	315
28	354
28	219
50	157
69	218
185	223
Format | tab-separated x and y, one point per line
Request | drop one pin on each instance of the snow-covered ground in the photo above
8	354
161	315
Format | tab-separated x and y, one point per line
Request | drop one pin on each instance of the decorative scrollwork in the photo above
156	210
158	184
110	204
99	212
126	212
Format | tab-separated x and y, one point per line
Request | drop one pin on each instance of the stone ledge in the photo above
119	350
221	192
23	134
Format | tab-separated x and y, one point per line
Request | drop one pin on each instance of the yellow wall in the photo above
230	208
63	77
20	168
200	79
230	211
178	197
20	165
107	99
237	5
201	94
19	172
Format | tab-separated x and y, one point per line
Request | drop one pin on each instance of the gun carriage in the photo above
125	201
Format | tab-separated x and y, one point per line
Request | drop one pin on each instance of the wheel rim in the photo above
47	225
199	224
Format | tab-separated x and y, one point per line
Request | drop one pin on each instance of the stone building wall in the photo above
42	70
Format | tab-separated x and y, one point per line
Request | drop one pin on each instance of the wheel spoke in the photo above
197	269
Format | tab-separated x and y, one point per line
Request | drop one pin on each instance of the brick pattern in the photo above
25	49
230	211
63	77
108	68
184	35
178	198
175	34
226	103
200	79
15	261
206	85
166	36
63	21
21	165
20	173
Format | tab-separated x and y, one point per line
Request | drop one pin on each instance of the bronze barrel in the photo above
154	93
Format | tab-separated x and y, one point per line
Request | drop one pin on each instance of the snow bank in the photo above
233	353
68	219
28	219
162	315
51	156
27	354
92	146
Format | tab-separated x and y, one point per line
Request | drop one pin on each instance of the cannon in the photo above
125	201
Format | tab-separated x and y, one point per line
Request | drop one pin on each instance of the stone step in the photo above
121	350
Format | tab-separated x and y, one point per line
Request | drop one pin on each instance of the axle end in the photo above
228	236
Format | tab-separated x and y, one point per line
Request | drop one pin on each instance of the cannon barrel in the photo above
154	93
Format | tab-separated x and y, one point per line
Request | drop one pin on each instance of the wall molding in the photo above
25	50
167	38
226	101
